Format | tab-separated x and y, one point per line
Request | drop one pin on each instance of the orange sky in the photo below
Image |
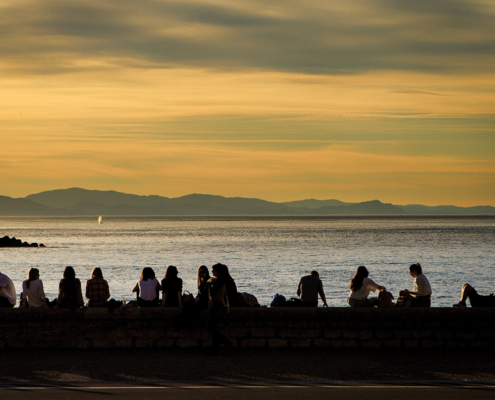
379	100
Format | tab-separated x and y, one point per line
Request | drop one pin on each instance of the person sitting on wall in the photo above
308	289
69	291
476	300
33	294
7	292
421	295
97	291
360	287
147	289
172	288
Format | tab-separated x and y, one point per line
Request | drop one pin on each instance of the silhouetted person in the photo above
476	300
421	295
360	287
308	289
7	292
97	291
33	294
69	291
147	289
172	288
217	289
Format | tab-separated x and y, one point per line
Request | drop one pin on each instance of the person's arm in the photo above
299	289
107	290
136	290
164	298
61	292
419	286
179	295
87	290
322	295
80	300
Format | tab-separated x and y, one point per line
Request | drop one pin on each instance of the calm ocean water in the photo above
265	255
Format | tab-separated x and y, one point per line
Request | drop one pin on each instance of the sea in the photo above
265	255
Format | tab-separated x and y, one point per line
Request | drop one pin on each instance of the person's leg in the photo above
5	303
466	289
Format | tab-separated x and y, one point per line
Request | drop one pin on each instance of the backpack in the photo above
385	299
278	301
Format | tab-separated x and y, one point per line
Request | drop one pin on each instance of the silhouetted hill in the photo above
313	203
77	201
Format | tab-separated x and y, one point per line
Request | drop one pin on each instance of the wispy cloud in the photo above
317	36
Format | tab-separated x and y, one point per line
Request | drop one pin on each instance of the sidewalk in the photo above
147	365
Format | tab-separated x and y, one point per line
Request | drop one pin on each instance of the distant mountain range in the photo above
76	201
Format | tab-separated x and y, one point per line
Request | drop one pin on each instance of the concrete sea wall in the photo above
251	328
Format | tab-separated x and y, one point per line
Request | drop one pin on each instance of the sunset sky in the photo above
280	100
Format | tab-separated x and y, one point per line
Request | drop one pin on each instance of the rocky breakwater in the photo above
14	242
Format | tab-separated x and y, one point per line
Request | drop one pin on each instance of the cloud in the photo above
314	37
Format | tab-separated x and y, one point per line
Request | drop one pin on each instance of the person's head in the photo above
96	273
220	271
171	272
315	274
415	270
33	274
147	273
203	275
69	273
358	278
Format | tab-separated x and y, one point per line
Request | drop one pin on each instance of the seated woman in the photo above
33	294
69	291
360	287
201	302
421	295
97	291
476	300
147	289
172	288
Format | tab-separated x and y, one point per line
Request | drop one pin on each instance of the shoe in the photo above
460	304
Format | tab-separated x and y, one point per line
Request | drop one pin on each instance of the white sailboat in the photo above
100	219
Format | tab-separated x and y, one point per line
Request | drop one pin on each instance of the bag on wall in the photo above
385	299
187	298
278	301
248	300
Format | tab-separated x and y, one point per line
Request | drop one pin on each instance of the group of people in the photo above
209	290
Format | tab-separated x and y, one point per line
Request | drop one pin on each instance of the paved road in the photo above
240	391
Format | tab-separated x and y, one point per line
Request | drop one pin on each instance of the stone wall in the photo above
253	327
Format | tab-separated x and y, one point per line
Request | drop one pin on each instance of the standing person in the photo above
217	289
97	291
232	295
308	289
69	291
7	292
201	302
172	288
421	295
360	287
147	289
33	294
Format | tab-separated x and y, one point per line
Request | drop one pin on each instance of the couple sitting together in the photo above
361	286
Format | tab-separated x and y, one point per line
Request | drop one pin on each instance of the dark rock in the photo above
13	242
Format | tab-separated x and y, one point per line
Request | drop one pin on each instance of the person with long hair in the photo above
69	291
360	288
420	296
97	291
171	288
33	294
232	295
147	289
216	291
201	302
